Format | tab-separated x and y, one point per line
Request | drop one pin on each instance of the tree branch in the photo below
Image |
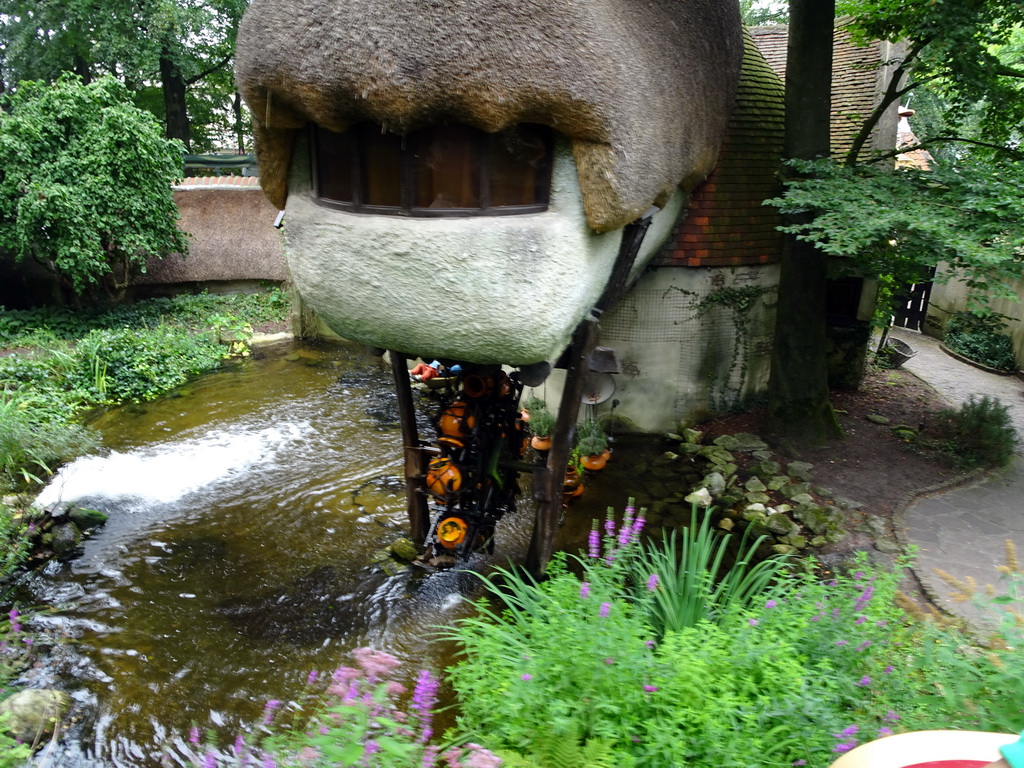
210	70
1016	155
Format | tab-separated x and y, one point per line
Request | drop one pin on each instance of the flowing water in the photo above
246	515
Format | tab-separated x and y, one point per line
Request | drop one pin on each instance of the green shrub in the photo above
979	434
981	339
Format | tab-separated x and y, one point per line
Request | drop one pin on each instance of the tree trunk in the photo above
175	113
798	406
239	127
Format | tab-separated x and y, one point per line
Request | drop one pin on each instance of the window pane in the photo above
446	164
334	155
382	167
518	160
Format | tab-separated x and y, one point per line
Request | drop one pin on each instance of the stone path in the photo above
962	531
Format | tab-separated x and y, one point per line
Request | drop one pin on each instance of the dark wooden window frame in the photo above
408	182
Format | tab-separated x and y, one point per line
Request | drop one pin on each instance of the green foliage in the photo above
354	718
69	362
542	422
189	43
979	434
14	542
694	584
961	51
31	445
981	338
896	223
591	439
797	676
12	753
85	181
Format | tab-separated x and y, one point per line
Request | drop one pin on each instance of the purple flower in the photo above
885	731
888	669
345	674
609	660
638	526
650	688
652	582
891	716
858	576
527	677
860	619
863	645
424	697
864	682
193	735
584	590
268	710
864	598
429	756
753	622
609	525
605	610
770	604
594	544
844	747
850	730
269	762
841	643
210	761
798	763
649	644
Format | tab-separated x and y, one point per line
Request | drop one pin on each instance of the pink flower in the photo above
650	688
753	622
482	758
864	682
885	731
527	677
584	590
605	610
652	582
375	663
609	660
770	604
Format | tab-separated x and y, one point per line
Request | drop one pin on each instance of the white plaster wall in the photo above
486	289
685	359
951	297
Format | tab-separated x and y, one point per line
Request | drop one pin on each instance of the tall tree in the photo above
85	183
798	404
185	46
964	57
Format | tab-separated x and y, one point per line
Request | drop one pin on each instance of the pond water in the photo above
247	512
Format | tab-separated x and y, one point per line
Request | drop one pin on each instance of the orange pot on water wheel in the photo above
595	463
443	477
456	421
541	443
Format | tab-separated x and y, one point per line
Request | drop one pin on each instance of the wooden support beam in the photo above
415	457
548	479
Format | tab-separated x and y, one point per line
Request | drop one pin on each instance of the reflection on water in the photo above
246	514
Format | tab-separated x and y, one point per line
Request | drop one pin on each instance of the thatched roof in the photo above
227	242
643	88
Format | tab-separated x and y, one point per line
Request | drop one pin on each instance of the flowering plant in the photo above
358	721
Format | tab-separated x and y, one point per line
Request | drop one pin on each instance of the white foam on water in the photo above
162	473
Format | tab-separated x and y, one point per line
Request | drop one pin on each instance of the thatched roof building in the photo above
643	89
